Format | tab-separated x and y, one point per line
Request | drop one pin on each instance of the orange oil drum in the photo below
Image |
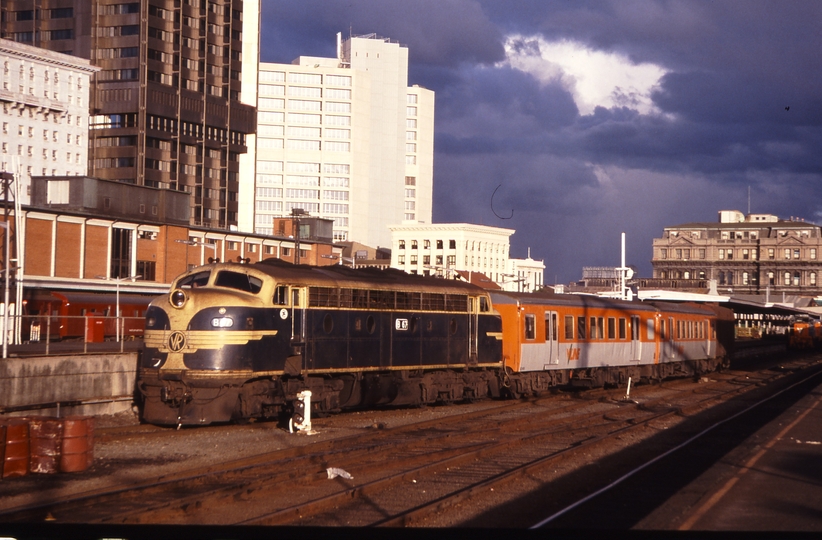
18	448
46	439
77	451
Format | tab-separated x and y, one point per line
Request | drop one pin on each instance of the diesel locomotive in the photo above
239	341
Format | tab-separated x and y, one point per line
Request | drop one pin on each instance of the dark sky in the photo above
597	117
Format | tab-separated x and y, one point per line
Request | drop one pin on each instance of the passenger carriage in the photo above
583	340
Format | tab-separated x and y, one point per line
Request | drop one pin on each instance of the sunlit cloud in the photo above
594	78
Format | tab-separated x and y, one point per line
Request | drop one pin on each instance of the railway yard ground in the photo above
738	450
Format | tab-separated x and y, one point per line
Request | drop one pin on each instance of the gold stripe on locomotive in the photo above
193	340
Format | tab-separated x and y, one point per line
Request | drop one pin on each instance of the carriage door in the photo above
671	343
551	337
473	320
636	344
710	352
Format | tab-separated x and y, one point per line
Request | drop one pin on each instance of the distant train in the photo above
66	314
805	333
233	342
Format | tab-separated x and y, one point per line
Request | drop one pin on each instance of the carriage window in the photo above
281	296
569	327
200	279
611	328
530	327
239	281
593	326
550	326
483	304
623	333
581	328
649	327
662	329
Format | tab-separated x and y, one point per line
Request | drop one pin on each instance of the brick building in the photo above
87	241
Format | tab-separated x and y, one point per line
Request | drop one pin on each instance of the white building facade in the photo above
524	275
346	139
45	112
444	248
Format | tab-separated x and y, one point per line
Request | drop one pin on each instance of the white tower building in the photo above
44	116
346	139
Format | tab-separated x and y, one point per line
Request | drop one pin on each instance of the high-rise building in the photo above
44	114
344	138
167	107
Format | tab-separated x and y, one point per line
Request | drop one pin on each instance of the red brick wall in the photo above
38	247
96	251
67	253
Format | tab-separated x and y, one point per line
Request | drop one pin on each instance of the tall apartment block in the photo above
44	115
343	138
167	106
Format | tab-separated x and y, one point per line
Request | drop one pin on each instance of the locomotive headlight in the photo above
150	322
177	298
222	322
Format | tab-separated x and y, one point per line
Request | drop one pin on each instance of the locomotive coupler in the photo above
176	396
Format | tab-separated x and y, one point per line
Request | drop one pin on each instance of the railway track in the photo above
408	475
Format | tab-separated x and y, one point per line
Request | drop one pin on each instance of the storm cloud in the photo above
577	120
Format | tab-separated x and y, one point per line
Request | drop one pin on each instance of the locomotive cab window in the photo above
200	279
483	304
239	281
280	296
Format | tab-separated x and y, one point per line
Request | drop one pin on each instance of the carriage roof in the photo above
595	302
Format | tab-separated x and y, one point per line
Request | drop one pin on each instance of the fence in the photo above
41	332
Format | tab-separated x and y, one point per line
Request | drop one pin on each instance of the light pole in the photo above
514	279
200	244
117	296
342	259
7	276
296	215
